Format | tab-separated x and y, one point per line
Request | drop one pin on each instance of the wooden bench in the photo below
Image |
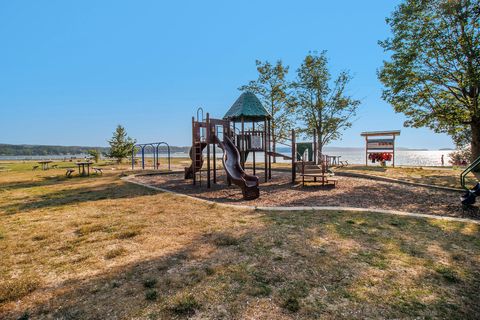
54	166
98	170
69	172
35	168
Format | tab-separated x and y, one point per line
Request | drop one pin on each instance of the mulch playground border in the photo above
308	208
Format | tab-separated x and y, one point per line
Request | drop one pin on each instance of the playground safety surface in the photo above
350	192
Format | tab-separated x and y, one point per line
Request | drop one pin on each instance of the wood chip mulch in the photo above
350	192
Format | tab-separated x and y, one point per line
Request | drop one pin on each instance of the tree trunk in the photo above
319	147
475	143
274	148
272	130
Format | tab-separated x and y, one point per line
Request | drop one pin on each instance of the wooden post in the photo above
269	148
253	154
194	156
366	151
265	164
393	152
214	154
242	144
207	133
294	154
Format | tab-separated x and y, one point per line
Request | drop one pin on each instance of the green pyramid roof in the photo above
247	106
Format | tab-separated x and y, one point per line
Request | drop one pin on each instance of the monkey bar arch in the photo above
155	150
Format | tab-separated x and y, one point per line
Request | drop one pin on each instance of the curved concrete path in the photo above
259	208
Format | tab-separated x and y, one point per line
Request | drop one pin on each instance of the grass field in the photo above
100	248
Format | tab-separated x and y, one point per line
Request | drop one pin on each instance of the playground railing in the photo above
474	166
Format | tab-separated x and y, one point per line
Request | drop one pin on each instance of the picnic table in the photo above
44	164
81	167
333	160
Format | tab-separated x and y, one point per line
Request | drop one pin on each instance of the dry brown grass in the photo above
99	248
445	177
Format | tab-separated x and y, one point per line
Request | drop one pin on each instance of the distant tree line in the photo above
44	150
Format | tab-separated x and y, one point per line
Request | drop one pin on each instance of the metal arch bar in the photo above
168	152
156	157
153	151
198	112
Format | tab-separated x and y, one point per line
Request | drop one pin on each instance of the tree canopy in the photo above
272	87
433	75
321	104
120	144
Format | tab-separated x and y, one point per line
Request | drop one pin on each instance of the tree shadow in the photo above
42	182
78	195
305	265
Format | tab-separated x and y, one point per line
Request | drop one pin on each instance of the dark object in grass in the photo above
225	240
291	304
149	283
24	316
469	198
151	295
476	189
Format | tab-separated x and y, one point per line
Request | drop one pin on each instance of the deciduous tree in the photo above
433	75
272	87
320	103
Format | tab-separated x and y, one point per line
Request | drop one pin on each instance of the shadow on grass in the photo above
41	182
80	194
300	266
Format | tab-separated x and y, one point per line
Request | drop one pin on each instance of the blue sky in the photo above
70	71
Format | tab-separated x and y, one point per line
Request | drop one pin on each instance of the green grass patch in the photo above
151	295
184	304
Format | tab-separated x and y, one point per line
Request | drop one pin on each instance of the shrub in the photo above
291	304
460	157
185	305
149	282
151	295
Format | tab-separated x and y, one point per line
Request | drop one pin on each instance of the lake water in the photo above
402	157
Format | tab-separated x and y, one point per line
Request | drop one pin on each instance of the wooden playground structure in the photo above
243	131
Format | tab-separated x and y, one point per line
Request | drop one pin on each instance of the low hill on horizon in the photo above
50	150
